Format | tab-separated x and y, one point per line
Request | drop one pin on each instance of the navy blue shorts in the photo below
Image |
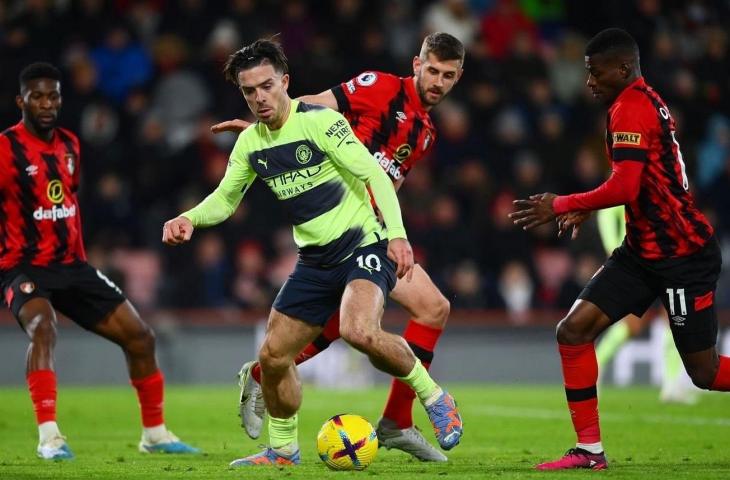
686	286
313	294
79	291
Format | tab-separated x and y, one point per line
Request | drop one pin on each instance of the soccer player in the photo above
390	115
43	265
309	157
669	252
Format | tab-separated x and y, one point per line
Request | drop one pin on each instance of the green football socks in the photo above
422	383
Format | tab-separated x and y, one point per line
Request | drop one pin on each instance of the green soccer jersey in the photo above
318	169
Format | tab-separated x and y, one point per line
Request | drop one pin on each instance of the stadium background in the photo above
143	84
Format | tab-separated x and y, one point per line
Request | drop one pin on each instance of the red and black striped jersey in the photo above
387	116
40	222
662	222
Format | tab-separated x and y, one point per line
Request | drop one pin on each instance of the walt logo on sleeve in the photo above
626	138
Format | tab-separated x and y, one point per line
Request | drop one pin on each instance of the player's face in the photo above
265	91
40	102
435	78
607	77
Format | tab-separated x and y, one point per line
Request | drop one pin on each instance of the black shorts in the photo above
79	291
686	287
313	294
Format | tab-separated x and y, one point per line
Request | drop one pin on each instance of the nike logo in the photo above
265	163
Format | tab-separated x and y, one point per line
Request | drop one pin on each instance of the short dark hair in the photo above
38	70
612	41
444	46
260	52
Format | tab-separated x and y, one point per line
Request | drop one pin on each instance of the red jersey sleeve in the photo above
365	91
4	161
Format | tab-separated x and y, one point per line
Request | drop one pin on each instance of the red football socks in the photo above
42	387
580	374
722	378
330	333
422	340
150	392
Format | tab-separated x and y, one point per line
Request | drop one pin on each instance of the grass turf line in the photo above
507	430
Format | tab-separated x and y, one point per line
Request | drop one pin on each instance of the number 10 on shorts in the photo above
682	302
369	262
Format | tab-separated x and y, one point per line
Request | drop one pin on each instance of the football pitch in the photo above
507	429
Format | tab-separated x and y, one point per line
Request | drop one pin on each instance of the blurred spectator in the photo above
714	151
454	17
503	24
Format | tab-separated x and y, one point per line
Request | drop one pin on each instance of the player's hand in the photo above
235	126
177	231
571	219
400	251
535	211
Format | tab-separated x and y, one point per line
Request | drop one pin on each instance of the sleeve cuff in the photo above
343	104
397	233
561	204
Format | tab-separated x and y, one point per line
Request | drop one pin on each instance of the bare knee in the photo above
272	360
567	332
438	312
359	337
140	342
703	377
42	329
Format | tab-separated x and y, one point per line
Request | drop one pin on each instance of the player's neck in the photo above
284	116
46	136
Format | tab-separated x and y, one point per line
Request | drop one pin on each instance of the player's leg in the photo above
429	311
124	327
305	303
28	298
617	289
370	276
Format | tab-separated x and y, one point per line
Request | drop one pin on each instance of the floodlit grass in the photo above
507	430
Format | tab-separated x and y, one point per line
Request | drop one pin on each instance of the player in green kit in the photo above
309	157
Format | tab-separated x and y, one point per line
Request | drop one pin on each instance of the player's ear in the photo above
417	64
625	70
19	102
285	81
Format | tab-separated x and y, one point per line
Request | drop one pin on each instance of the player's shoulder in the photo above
634	104
68	135
374	79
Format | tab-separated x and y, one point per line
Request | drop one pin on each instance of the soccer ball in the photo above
347	442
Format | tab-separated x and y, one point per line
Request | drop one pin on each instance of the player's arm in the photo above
343	147
326	99
217	206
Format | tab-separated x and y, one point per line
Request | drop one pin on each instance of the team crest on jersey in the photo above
366	79
626	138
70	162
27	287
402	152
303	154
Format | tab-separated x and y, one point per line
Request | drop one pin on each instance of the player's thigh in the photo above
688	294
310	294
419	295
90	298
620	287
26	291
369	277
286	336
124	326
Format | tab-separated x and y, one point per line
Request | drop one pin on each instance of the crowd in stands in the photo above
143	84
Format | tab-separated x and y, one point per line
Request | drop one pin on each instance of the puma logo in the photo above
265	163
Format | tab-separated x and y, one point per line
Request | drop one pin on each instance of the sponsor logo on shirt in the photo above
54	190
391	167
54	213
366	79
626	138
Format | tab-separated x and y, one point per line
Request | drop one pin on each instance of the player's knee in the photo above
272	360
702	377
567	332
360	338
43	329
141	341
439	310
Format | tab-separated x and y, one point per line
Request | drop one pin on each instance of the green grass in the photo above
508	430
